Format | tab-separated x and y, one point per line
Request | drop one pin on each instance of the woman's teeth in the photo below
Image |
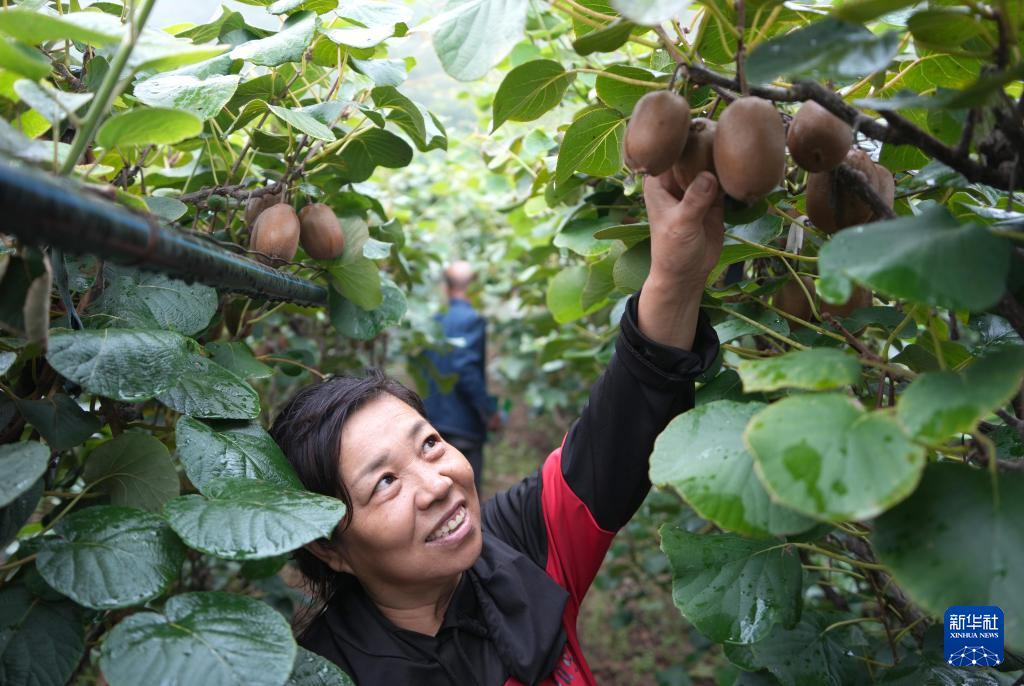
449	526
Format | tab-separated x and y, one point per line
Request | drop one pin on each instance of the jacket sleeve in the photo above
470	362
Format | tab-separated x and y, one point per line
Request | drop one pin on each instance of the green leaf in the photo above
827	49
530	90
204	98
606	39
369	149
318	6
943	28
592	144
20	465
245	519
578	236
22	60
207	390
628	233
43	641
108	556
565	295
92	28
358	279
824	456
235	356
731	588
471	36
286	45
376	13
632	267
650	12
965	506
313	670
201	638
303	122
941	404
14	515
600	279
817	369
148	126
355	322
134	469
381	72
804	655
404	111
701	455
134	299
866	10
122	364
6	360
168	209
54	105
624	96
735	326
213	450
928	258
59	420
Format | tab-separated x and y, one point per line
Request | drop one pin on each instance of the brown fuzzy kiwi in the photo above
860	298
791	299
885	185
817	139
656	132
276	232
320	232
750	149
832	206
698	154
254	206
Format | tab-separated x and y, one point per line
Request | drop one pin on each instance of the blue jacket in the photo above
464	411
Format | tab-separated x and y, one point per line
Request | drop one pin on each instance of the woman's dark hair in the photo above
308	430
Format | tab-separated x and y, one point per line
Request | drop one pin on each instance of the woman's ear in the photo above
329	553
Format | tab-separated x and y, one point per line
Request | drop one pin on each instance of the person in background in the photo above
464	415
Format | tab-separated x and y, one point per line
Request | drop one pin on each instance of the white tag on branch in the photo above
795	239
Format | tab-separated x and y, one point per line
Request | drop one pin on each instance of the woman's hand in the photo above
687	234
686	241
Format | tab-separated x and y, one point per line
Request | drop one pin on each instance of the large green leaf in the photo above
606	39
304	122
15	514
804	655
202	97
134	299
135	470
530	90
632	267
701	455
732	588
42	642
313	670
109	556
286	45
927	258
54	105
940	404
91	28
959	541
578	235
20	465
471	36
369	149
22	60
213	450
826	49
355	322
207	390
201	638
59	420
358	279
148	126
865	10
624	96
824	456
592	144
403	111
245	519
565	295
235	356
734	327
817	369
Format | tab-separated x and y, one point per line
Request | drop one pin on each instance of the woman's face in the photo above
415	511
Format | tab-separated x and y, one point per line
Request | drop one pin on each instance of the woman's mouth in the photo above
453	529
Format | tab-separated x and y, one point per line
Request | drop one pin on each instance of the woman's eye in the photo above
384	482
431	442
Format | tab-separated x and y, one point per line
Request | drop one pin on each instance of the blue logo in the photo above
974	636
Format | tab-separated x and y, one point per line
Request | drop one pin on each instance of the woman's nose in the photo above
434	485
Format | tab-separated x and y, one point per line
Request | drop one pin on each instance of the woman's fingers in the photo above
699	199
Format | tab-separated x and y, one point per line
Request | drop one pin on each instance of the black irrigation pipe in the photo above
43	210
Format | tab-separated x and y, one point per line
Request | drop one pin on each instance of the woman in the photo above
423	585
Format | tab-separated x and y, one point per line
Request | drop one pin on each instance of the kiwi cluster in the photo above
276	231
746	149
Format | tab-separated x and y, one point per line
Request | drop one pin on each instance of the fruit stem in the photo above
845	622
741	20
895	332
771	251
813	327
764	328
589	12
616	77
18	563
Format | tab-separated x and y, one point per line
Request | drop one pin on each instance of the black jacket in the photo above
512	618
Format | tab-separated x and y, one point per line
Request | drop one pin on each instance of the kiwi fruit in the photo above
831	206
320	232
657	132
885	185
697	155
276	232
255	206
817	139
750	149
791	299
860	298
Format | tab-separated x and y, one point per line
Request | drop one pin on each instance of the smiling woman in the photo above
420	584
